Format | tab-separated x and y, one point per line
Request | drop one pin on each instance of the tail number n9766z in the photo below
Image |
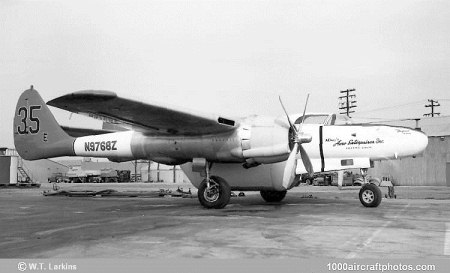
92	146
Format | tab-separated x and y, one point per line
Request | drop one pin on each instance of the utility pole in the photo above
135	171
433	103
148	172
347	102
158	178
174	174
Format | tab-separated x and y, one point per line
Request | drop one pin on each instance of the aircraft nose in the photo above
412	142
421	141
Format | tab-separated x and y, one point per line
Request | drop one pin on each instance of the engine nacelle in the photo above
120	159
264	142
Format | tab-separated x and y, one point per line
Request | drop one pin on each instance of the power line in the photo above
347	102
400	106
392	107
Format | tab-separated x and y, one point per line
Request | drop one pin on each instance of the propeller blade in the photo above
291	163
287	115
290	167
306	161
304	112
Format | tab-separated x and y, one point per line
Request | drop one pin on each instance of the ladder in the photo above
23	174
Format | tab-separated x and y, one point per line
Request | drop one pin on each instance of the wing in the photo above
150	118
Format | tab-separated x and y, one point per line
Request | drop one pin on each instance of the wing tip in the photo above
83	95
102	93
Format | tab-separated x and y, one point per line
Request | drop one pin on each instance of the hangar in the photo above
430	169
14	168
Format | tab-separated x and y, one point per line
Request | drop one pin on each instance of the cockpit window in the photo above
313	119
342	120
325	119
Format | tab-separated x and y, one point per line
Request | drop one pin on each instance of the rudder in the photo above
37	134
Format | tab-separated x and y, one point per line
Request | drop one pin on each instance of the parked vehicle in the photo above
58	178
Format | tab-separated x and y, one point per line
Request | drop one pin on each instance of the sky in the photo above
229	57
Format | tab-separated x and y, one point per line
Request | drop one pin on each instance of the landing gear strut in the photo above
363	172
214	192
370	194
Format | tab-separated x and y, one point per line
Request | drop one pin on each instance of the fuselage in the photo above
261	145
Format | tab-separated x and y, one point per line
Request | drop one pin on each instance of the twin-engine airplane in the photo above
218	154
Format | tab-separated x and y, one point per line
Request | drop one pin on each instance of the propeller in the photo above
298	138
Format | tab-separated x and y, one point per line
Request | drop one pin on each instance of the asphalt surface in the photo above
319	222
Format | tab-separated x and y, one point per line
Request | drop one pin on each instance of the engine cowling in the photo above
264	141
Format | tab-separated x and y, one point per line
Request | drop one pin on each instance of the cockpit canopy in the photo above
325	119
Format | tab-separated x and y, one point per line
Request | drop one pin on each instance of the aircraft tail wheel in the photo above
217	195
273	196
370	195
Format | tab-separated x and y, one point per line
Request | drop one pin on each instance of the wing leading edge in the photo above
151	118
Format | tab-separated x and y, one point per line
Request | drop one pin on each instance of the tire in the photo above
273	196
219	195
370	195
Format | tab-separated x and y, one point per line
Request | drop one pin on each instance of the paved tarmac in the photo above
319	222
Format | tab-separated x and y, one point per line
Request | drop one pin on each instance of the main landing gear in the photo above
273	196
214	192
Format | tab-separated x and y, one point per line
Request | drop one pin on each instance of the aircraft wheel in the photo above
273	196
217	195
370	195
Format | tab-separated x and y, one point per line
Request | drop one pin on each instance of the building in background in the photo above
158	172
8	166
14	169
163	173
37	170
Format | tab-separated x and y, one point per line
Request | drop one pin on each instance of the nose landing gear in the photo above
370	195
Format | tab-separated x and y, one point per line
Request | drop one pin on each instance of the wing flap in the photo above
151	118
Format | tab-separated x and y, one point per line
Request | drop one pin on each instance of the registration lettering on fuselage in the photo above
94	146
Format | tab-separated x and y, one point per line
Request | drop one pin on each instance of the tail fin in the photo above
37	134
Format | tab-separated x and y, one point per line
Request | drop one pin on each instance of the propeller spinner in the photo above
298	138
